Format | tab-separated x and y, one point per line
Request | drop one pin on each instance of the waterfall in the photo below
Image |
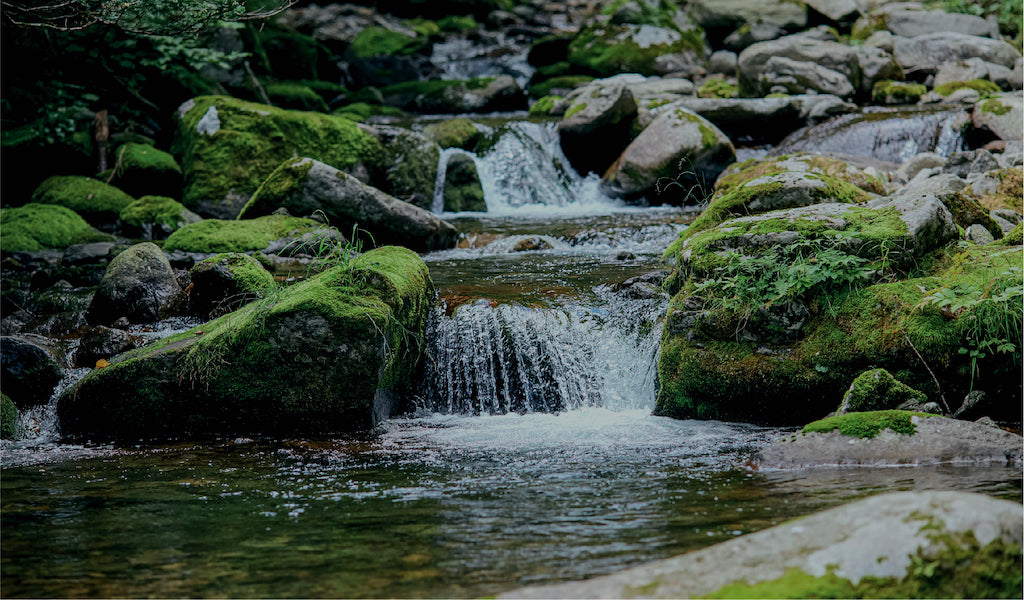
495	359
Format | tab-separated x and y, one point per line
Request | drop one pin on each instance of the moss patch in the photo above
604	50
295	96
575	108
146	158
246	270
8	418
979	85
717	87
159	210
877	389
897	92
361	111
215	235
38	226
543	107
867	425
94	200
377	41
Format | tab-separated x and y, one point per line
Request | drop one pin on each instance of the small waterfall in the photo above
495	359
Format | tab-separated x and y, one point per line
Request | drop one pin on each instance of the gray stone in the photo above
975	405
818	107
798	77
597	126
912	23
29	373
139	285
101	342
1001	114
878	537
877	65
979	235
883	40
717	14
965	163
829	55
86	254
1000	75
924	54
1006	218
936	440
837	11
924	160
747	35
723	62
929	223
961	70
1016	78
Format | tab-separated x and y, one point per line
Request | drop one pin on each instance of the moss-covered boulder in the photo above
141	170
273	234
295	96
8	418
229	146
305	186
454	133
36	227
98	203
155	217
597	126
674	159
139	285
363	111
897	545
225	282
1000	116
606	49
410	165
800	48
897	92
376	41
462	188
877	389
334	353
30	374
486	94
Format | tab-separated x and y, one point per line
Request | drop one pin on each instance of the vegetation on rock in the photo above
38	226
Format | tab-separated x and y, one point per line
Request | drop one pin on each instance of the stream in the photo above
531	455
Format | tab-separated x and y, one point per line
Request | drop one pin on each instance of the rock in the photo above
155	217
271	234
723	61
30	374
978	235
975	405
760	120
142	170
101	342
837	11
305	186
8	418
961	70
883	40
454	133
605	49
829	55
226	282
139	284
897	92
532	243
878	550
597	126
877	65
730	14
678	152
877	389
483	95
1000	115
924	160
950	190
295	96
924	54
410	165
913	23
95	201
751	33
1016	78
462	188
224	168
86	254
801	77
962	164
334	353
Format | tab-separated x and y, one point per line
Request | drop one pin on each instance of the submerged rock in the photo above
139	285
334	353
872	547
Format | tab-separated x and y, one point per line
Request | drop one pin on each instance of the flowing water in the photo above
530	456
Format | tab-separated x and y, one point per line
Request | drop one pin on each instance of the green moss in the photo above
995	107
1014	238
215	235
660	13
454	133
543	107
159	210
361	111
295	96
543	88
8	418
897	92
606	49
248	273
223	169
877	389
94	200
147	158
866	26
38	226
575	108
979	85
717	87
456	23
377	41
867	424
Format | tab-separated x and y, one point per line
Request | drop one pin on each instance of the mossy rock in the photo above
877	389
979	85
225	282
457	23
288	54
1014	238
717	87
1008	193
155	217
544	106
867	424
409	164
454	133
709	368
604	50
562	82
897	92
335	353
8	418
249	235
229	146
462	188
141	169
753	168
95	201
361	111
376	41
36	227
295	96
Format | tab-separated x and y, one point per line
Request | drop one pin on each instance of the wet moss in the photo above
215	235
8	418
979	85
361	111
717	87
995	107
457	23
544	106
146	158
247	272
877	389
866	425
93	200
575	108
295	96
159	210
39	226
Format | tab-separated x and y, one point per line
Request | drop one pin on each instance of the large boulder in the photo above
142	170
674	159
155	217
305	186
757	120
228	147
924	54
139	285
912	22
225	282
334	353
1000	115
95	201
597	126
30	374
606	49
892	437
788	76
36	227
929	544
730	14
801	48
409	165
273	234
